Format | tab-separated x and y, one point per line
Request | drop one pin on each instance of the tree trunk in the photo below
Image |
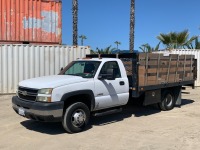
75	21
132	26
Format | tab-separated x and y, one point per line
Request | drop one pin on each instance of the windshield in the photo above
85	69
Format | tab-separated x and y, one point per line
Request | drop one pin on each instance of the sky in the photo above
105	21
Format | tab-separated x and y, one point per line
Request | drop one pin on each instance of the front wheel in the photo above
76	117
168	101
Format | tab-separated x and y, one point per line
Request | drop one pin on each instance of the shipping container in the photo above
30	21
20	62
195	52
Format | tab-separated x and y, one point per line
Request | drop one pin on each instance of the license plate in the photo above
21	112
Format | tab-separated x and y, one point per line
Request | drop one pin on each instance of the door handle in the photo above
121	83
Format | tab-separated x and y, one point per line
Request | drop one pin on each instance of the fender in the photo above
81	92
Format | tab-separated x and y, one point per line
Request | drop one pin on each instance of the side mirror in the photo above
61	69
102	76
109	75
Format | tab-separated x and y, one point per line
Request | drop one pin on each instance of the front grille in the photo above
27	93
28	90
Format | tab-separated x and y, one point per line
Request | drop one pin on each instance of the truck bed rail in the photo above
148	71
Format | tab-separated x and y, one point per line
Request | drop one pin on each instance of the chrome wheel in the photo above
78	118
169	100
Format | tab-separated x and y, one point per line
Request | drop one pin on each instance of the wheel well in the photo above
84	98
174	90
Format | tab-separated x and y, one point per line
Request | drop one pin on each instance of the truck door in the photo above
112	92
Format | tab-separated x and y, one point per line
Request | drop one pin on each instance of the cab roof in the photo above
98	59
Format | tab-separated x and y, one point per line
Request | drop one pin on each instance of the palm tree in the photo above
146	48
193	45
82	37
75	21
107	50
132	26
117	43
176	40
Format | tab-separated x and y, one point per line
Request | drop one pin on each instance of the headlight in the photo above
44	95
45	91
43	99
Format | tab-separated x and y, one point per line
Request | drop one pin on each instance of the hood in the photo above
51	81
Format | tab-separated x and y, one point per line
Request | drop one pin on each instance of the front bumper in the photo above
47	112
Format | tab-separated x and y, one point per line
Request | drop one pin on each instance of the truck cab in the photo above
82	87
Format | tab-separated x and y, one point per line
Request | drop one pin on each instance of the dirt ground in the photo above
136	128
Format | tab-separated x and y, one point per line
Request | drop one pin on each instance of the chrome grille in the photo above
27	93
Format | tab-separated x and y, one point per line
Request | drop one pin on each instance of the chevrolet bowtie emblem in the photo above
24	93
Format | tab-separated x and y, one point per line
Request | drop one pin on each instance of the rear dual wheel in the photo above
167	101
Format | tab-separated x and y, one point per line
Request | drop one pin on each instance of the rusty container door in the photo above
31	21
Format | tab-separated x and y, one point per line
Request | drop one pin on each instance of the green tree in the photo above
175	40
82	37
132	26
75	21
194	44
146	48
117	43
107	50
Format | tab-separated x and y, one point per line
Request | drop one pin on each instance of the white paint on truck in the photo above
108	93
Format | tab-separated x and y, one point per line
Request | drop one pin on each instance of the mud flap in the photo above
179	97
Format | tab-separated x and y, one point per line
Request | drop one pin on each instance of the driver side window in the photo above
111	65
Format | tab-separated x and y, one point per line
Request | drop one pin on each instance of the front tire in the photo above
76	117
167	101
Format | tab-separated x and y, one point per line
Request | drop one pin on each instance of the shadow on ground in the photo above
43	127
128	111
187	101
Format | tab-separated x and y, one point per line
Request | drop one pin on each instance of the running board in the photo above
107	112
